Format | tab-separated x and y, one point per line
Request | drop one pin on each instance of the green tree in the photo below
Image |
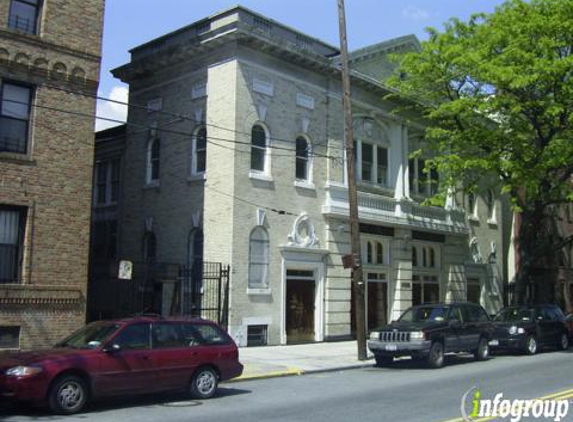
497	91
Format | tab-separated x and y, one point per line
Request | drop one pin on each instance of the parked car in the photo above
528	328
129	356
430	331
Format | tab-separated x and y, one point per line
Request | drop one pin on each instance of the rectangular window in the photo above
107	182
412	174
14	117
367	162
12	224
9	337
24	15
422	177
381	165
257	335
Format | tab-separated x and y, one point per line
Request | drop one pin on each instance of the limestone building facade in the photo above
235	137
49	71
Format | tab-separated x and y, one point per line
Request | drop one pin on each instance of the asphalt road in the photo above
404	392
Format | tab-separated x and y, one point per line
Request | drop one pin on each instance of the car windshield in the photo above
91	336
513	315
426	313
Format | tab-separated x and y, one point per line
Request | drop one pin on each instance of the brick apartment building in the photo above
50	53
253	176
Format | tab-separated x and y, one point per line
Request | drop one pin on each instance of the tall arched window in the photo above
414	256
432	254
199	151
258	148
369	253
259	258
302	159
490	202
153	160
379	253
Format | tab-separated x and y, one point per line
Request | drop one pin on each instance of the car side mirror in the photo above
114	348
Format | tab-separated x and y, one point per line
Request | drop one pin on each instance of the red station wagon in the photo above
130	356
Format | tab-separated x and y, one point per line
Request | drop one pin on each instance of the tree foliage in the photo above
498	94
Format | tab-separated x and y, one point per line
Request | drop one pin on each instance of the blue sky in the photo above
129	23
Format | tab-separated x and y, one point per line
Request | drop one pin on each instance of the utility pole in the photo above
357	281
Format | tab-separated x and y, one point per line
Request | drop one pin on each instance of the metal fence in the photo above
160	288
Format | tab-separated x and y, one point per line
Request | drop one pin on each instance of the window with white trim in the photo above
15	105
153	161
372	163
490	202
303	160
259	149
259	258
199	151
423	181
425	289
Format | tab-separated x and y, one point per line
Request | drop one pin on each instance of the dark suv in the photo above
129	356
430	331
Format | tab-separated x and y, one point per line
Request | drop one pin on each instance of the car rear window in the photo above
205	334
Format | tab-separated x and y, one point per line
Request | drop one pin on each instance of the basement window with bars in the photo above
9	337
257	335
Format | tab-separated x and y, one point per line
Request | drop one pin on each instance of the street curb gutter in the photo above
297	371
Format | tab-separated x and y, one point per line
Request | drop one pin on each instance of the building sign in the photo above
125	270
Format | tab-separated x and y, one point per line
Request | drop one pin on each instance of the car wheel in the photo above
383	360
436	357
204	383
67	395
563	341
530	345
482	352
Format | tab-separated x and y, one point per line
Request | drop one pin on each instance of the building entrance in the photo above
300	306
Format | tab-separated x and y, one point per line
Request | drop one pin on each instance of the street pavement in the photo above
404	392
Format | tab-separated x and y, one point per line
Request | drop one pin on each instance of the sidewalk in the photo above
278	361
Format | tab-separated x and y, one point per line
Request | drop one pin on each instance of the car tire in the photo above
67	395
563	341
204	383
436	356
382	361
482	352
531	345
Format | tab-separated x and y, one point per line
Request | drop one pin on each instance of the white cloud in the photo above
415	13
111	110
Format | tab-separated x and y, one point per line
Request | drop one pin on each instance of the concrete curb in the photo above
291	371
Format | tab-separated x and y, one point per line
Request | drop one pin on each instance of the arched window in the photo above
424	257
432	254
490	202
302	159
258	148
369	253
472	204
199	151
414	256
259	258
379	253
149	247
153	160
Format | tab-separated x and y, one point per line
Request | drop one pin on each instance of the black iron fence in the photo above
161	288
